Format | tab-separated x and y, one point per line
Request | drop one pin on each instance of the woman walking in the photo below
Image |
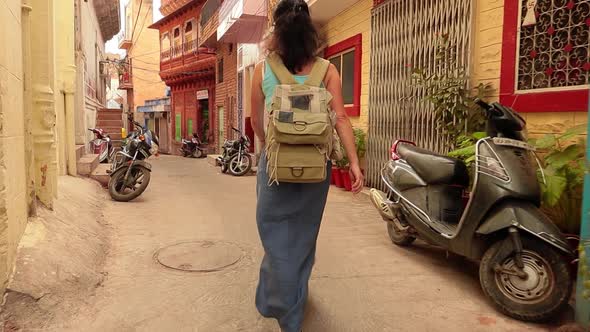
289	215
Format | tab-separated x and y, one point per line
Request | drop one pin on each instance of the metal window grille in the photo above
405	33
554	50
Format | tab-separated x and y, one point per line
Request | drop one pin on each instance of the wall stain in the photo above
44	175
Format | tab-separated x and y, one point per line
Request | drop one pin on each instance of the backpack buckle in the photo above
299	125
297	171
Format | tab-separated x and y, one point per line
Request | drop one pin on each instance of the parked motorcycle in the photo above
523	255
130	173
102	145
235	156
192	147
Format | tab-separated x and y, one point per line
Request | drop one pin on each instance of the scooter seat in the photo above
434	168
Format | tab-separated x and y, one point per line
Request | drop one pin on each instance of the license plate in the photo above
513	143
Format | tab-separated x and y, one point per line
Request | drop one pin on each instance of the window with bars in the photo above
554	44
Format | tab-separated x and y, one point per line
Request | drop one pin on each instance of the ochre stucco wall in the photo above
13	201
354	20
145	53
487	58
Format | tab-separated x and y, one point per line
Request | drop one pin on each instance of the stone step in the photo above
103	123
87	164
100	174
109	116
80	151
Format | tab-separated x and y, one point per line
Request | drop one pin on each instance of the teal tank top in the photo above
270	81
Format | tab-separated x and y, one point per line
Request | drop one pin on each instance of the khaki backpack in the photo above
300	136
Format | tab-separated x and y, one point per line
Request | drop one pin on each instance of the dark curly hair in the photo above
294	38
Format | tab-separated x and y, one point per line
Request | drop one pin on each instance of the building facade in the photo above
38	112
234	29
533	59
96	21
189	71
141	67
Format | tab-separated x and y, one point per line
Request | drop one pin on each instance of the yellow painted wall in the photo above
13	201
91	37
32	90
354	20
145	53
487	56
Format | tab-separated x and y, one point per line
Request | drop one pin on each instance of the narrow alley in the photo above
361	281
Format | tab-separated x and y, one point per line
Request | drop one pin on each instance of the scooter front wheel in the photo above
540	295
398	237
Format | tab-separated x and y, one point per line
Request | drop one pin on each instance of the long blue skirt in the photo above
288	217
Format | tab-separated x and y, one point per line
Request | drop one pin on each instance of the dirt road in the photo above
361	281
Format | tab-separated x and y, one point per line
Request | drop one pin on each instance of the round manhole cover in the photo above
199	256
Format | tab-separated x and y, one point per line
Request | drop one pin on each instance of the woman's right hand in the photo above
357	177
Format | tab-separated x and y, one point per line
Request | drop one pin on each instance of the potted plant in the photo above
360	140
342	178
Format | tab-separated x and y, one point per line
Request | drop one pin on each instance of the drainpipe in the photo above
583	284
28	107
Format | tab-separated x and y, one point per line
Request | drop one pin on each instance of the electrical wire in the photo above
147	63
136	20
142	27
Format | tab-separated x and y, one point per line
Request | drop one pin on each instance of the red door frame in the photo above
554	101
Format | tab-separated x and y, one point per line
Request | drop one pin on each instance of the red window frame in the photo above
355	42
552	101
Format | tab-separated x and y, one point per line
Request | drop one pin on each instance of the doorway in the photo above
204	123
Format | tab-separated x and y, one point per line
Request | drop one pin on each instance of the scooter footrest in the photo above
383	205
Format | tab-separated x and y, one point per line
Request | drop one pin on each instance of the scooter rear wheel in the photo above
538	297
398	238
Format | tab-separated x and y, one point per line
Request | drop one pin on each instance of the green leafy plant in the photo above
360	140
466	147
445	86
563	164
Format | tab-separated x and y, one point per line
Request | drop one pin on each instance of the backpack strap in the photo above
279	69
318	73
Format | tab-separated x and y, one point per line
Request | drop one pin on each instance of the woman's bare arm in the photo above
257	103
343	126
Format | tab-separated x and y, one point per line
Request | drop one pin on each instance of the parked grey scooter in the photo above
524	257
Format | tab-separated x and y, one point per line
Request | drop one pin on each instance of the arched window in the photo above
177	49
165	45
190	36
